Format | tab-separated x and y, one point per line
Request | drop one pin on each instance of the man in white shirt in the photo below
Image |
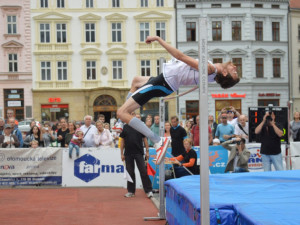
89	130
230	113
241	129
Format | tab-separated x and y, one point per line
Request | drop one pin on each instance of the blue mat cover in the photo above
271	198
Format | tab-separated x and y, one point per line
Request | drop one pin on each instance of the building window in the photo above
236	31
116	29
115	3
45	32
145	68
161	30
144	3
275	7
144	31
117	70
275	31
217	60
190	6
60	3
258	30
44	3
266	102
276	67
46	70
235	5
190	31
216	5
217	30
61	33
159	3
12	62
11	24
91	70
158	66
259	65
90	32
89	3
258	5
239	66
62	71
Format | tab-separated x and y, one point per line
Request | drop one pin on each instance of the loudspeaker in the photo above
256	115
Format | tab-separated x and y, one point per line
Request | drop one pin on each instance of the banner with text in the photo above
41	166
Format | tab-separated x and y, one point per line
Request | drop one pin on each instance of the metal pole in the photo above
203	112
162	207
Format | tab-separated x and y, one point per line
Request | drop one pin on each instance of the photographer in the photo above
239	155
270	133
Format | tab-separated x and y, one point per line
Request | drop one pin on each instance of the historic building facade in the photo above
15	59
252	34
86	53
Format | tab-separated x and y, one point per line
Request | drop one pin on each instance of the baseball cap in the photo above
216	140
7	126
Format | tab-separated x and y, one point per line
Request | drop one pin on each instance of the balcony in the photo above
53	84
53	47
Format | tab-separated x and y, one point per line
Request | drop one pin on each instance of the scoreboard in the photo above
256	114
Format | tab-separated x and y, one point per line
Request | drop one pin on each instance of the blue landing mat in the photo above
271	198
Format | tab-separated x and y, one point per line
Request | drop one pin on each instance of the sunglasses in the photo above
224	117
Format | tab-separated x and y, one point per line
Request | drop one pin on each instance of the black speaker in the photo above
256	115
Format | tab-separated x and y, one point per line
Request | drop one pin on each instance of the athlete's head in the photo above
228	77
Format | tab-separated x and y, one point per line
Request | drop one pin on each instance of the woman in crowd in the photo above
61	133
188	128
72	129
167	132
35	134
295	126
103	136
188	160
32	123
47	135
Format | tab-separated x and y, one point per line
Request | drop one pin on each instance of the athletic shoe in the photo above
118	126
129	195
150	194
161	149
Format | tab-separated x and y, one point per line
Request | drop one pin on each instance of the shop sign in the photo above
54	99
54	109
13	103
268	94
14	96
232	95
55	106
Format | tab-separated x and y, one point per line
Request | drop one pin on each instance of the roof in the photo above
294	4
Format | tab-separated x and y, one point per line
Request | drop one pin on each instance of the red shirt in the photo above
195	132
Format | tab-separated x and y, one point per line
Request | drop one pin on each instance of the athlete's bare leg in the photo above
138	82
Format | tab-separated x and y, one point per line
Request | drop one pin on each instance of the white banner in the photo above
30	166
255	162
95	167
295	155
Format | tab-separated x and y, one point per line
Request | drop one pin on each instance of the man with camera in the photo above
239	155
270	134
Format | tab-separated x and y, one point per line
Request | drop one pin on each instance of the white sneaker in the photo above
118	126
161	150
150	194
129	195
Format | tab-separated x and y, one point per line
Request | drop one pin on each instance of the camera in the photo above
269	118
238	142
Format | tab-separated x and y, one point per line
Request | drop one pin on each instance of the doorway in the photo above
106	105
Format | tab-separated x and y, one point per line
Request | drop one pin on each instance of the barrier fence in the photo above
102	167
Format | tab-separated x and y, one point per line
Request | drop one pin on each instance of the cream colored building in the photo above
294	55
86	53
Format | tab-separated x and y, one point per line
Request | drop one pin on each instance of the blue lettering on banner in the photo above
20	181
87	168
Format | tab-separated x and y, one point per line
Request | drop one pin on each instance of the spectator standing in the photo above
239	155
216	142
132	141
35	134
89	130
231	113
72	128
16	131
195	133
178	134
10	114
212	124
101	117
155	129
224	130
61	133
270	133
295	127
148	122
2	123
188	127
8	140
32	123
241	129
103	136
47	135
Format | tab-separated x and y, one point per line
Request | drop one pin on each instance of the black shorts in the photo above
155	87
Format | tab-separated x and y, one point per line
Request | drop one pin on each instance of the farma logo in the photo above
87	168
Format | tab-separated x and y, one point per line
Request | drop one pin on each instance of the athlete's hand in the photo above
150	39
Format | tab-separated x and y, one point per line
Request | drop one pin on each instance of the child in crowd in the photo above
76	142
34	144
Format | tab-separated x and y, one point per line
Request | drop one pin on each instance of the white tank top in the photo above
178	73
